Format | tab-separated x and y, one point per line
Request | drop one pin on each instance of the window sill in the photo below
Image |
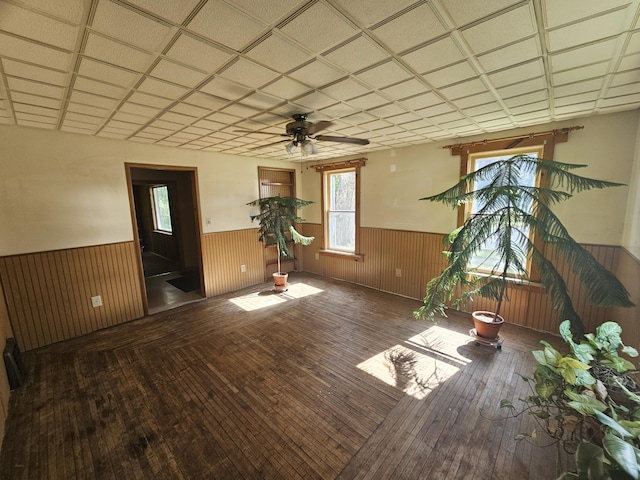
518	282
163	232
357	257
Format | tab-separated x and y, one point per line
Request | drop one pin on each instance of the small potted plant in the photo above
488	254
276	218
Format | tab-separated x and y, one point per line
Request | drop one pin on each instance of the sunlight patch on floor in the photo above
256	301
268	298
299	290
414	373
422	363
443	340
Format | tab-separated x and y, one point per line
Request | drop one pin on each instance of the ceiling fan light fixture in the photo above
291	147
308	148
301	132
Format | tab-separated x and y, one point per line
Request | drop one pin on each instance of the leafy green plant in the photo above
276	218
588	403
499	234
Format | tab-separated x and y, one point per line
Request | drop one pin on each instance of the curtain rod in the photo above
358	162
518	137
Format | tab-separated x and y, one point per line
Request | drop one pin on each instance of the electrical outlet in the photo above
243	268
96	301
209	222
398	272
317	256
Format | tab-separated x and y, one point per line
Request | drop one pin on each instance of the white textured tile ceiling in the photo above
191	73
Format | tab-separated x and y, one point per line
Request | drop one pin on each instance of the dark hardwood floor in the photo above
328	380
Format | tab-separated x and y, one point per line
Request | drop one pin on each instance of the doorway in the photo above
165	216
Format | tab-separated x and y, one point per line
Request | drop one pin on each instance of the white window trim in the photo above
154	211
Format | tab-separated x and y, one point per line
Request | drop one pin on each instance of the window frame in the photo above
468	207
326	170
327	196
547	139
154	209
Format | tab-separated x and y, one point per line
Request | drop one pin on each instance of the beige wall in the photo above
607	147
631	234
62	190
628	268
389	198
5	332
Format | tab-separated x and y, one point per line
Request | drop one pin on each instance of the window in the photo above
161	208
340	201
340	207
486	260
541	144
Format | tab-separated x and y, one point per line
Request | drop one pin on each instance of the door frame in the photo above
193	177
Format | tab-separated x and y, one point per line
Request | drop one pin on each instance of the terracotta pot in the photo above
280	281
487	325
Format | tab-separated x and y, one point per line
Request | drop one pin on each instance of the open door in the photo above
165	215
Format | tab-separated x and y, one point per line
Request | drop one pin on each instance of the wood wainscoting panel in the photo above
309	262
628	271
165	245
418	257
403	265
370	270
224	253
342	268
591	315
49	294
540	314
434	260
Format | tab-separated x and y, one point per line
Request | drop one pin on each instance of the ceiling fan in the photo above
300	131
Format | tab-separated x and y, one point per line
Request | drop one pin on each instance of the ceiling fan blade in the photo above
270	144
355	141
317	126
262	133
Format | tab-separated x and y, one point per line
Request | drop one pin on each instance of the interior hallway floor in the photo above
162	295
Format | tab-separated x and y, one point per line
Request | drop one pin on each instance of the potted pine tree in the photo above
488	254
276	220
